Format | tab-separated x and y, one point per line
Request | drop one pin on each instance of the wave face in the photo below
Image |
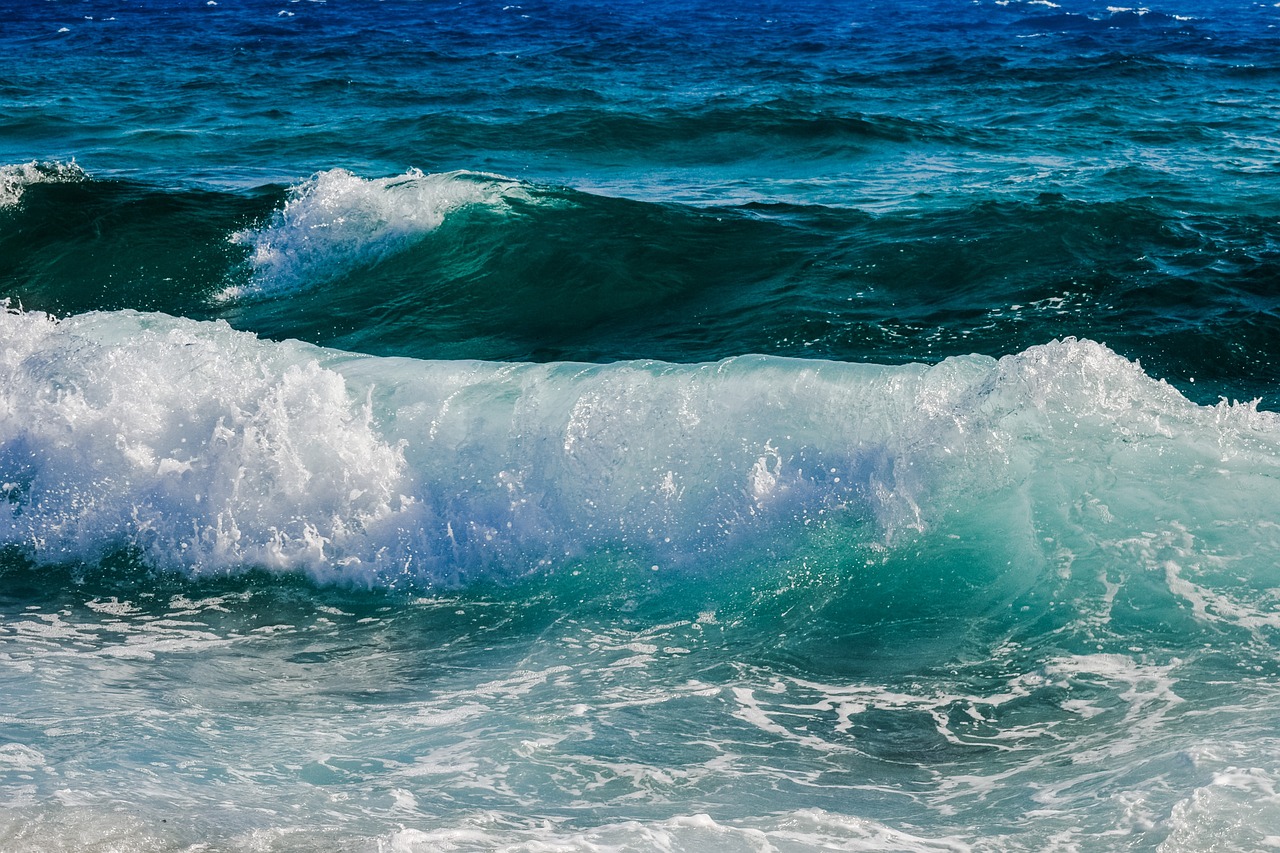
649	426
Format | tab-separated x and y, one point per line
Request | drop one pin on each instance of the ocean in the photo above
567	425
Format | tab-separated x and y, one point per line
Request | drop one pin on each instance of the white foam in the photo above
196	445
206	448
16	178
19	758
808	829
337	221
96	830
1238	809
45	828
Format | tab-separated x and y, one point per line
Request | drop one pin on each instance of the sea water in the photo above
580	426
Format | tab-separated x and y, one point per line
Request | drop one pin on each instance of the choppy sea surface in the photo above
684	426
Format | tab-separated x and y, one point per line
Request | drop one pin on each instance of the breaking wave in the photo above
204	448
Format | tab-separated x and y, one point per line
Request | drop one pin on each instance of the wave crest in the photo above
336	222
15	178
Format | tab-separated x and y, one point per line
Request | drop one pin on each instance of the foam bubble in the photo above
337	221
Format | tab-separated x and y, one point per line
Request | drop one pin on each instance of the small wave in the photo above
15	178
337	221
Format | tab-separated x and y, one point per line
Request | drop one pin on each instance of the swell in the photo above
707	134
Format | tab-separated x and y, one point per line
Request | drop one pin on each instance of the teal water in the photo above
560	426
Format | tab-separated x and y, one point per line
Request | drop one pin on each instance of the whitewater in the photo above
205	449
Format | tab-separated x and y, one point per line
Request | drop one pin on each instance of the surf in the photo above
207	449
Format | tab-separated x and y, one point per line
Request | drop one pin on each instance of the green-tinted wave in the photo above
471	265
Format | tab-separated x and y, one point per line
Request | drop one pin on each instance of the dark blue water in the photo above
637	426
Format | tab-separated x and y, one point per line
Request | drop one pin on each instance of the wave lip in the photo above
337	221
16	177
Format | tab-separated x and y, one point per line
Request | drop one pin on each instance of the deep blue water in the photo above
639	426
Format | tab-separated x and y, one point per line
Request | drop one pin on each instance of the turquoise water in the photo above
649	426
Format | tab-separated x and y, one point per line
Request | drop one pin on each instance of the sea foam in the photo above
204	448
